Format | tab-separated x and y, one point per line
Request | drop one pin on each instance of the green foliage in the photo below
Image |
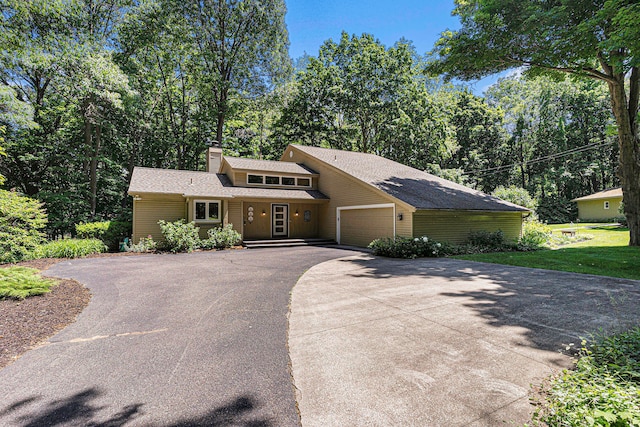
492	240
22	282
179	236
602	390
69	248
221	238
516	195
535	235
110	232
21	222
404	247
146	244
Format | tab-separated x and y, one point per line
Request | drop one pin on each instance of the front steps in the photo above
281	243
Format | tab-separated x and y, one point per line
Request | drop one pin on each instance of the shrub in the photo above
221	238
69	248
487	239
535	235
21	282
179	236
146	244
603	389
110	232
21	222
403	247
517	195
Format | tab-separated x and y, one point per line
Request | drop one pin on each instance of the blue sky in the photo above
311	22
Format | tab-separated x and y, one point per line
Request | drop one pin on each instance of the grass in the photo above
606	254
22	282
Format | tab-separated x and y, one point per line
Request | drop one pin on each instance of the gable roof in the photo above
204	184
605	194
419	189
268	166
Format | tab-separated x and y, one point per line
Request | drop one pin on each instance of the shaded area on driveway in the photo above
376	341
168	340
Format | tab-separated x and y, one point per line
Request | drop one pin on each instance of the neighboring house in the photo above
313	192
602	205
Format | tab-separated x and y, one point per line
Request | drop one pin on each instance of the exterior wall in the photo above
594	209
234	215
260	228
359	227
206	226
344	191
455	226
151	209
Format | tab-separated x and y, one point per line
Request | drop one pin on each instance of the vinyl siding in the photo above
234	215
594	209
344	191
455	226
151	209
359	227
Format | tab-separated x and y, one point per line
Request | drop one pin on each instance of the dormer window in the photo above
304	182
287	180
255	179
272	180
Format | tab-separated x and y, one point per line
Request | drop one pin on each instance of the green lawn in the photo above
607	254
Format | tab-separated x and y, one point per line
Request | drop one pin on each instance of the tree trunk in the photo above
629	170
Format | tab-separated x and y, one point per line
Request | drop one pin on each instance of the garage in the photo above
359	225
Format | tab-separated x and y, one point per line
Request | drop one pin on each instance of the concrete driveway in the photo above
439	342
167	340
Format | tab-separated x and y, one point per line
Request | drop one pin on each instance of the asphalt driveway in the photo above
439	342
167	340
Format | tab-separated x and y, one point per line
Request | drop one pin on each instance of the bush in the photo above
69	248
404	247
21	222
146	244
603	389
488	240
221	238
179	236
22	282
516	195
110	232
535	235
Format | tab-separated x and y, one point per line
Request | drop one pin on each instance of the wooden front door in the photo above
279	220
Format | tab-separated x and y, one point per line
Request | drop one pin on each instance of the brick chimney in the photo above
214	159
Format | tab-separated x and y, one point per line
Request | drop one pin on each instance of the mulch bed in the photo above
24	324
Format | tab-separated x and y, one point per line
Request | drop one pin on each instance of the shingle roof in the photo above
204	184
412	186
268	166
605	194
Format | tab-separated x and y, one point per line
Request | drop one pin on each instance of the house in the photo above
352	198
601	205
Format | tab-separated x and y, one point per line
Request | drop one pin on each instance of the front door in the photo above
279	220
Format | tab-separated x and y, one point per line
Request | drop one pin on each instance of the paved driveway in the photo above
439	342
167	340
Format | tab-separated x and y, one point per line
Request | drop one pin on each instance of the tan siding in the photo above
345	191
260	228
455	226
404	227
234	215
594	209
150	210
239	179
359	227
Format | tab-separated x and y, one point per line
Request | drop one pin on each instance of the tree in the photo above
241	48
594	39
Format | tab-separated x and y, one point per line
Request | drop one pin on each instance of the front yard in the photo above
606	254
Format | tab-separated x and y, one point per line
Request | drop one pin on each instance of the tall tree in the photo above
595	39
242	47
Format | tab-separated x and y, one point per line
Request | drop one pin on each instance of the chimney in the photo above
214	159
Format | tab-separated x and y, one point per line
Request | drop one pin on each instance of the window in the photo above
207	211
304	182
272	180
606	204
255	179
288	181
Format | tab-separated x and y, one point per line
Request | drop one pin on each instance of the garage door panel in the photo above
358	227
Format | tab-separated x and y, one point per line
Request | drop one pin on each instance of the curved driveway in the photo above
168	340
